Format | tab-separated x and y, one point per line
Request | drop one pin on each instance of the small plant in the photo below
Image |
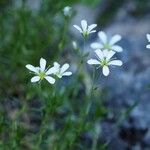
43	73
62	107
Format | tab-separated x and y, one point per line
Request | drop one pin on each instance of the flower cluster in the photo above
41	72
105	50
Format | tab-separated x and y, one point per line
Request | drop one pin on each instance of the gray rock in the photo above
146	140
110	134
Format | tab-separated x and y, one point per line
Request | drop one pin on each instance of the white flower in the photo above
104	60
41	72
67	11
148	37
61	71
107	44
85	30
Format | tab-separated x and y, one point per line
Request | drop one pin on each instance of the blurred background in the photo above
119	116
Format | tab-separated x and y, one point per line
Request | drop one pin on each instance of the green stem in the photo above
64	32
84	41
47	111
89	102
42	130
94	142
81	53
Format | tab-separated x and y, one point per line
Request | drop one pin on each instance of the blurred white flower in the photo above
41	72
67	11
148	37
74	45
61	71
107	44
85	30
105	60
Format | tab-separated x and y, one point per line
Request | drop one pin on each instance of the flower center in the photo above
42	75
104	62
85	34
107	46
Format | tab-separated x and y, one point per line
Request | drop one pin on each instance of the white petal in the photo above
38	68
84	25
115	39
93	31
50	79
93	62
148	46
91	27
68	73
96	45
105	71
35	79
56	65
42	64
64	68
78	28
52	70
102	37
148	37
110	55
32	68
100	54
117	48
116	62
106	53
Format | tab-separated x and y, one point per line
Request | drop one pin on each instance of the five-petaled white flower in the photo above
105	60
41	72
61	71
67	11
85	30
148	37
107	44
